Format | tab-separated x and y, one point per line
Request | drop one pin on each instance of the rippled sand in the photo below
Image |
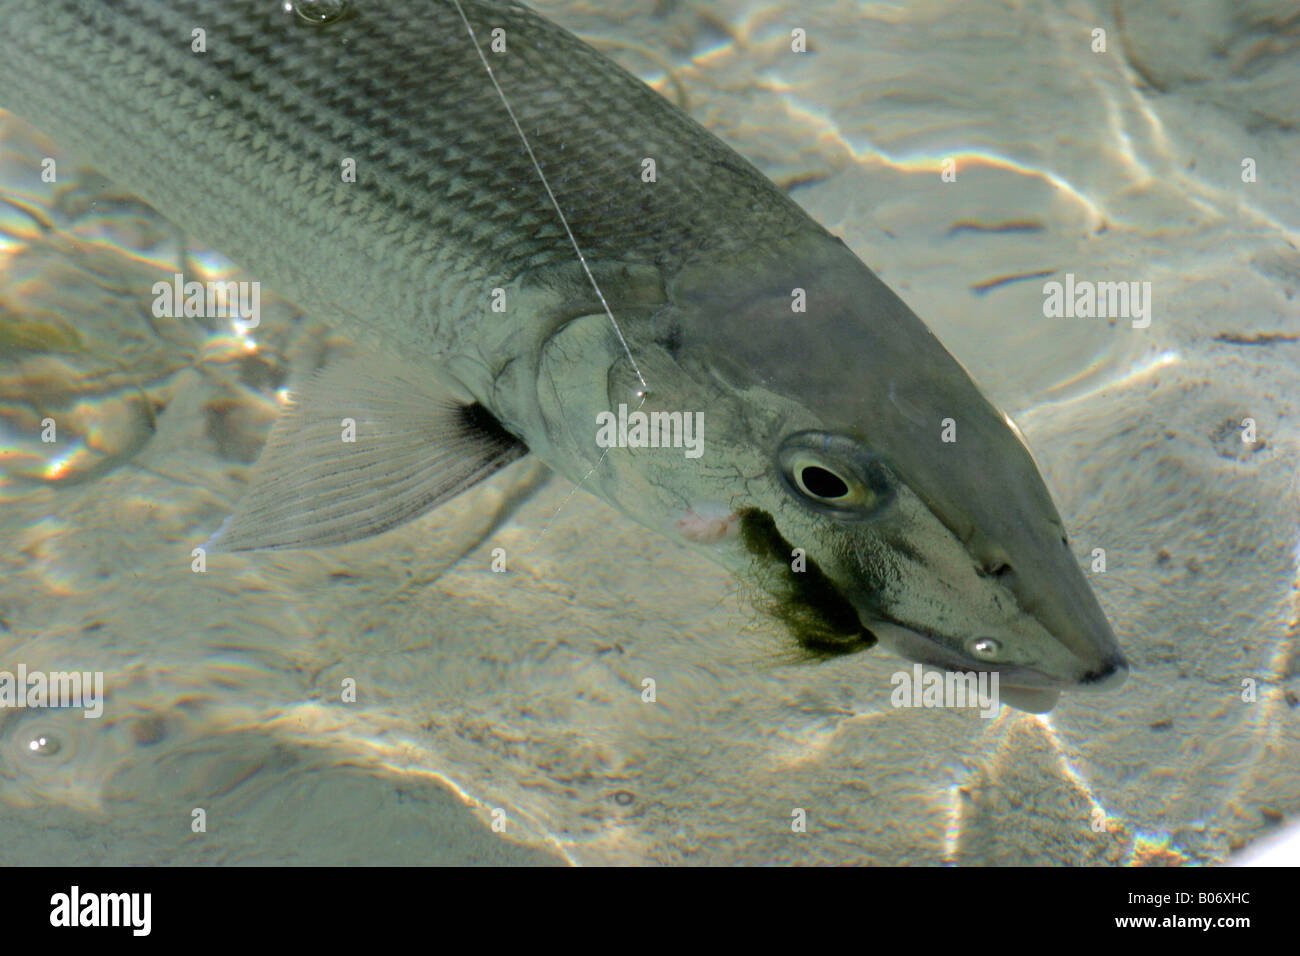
522	691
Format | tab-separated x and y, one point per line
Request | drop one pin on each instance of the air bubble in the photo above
320	11
34	746
44	745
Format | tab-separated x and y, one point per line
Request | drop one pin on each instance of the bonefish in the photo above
464	184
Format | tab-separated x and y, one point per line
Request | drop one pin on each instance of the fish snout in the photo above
1084	677
1035	698
1110	675
1057	596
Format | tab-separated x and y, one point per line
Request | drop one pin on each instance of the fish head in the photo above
913	500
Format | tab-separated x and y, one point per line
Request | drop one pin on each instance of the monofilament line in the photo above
554	202
572	491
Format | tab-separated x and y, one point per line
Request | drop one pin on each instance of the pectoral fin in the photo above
365	447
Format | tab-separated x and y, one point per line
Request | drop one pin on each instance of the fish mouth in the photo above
925	647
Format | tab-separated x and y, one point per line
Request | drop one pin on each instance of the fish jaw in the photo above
918	589
1025	689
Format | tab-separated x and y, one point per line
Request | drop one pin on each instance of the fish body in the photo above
500	232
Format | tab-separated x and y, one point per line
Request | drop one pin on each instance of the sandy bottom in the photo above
515	699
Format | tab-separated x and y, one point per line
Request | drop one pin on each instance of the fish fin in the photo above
417	442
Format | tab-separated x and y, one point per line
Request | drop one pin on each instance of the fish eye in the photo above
985	648
834	474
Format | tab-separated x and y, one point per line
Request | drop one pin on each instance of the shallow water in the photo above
522	692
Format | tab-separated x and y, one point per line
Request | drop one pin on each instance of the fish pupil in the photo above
823	483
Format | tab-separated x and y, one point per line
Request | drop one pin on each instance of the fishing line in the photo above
645	388
572	491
